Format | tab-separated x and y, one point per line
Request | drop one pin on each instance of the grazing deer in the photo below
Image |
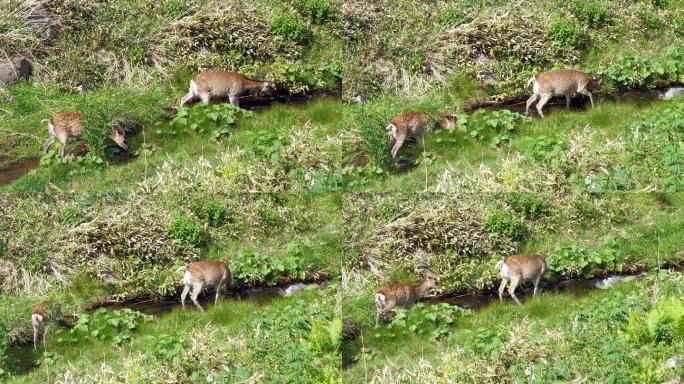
211	85
561	83
37	320
413	124
41	315
403	295
202	274
65	125
520	268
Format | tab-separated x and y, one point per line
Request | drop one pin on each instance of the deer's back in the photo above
561	82
401	294
526	266
220	82
69	123
208	271
414	123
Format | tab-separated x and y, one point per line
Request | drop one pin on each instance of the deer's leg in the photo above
195	292
36	321
190	96
397	144
234	100
218	292
63	141
529	103
205	97
184	294
511	289
587	93
48	143
567	101
536	284
542	102
502	287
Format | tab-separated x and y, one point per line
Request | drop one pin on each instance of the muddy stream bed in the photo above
22	359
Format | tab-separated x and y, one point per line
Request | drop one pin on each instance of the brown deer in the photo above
413	124
403	295
213	85
520	268
561	83
41	315
65	125
201	274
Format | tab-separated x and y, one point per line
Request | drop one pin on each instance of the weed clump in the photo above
505	224
188	230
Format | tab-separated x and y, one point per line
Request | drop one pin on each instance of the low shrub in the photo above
213	121
505	224
528	204
664	323
590	12
291	27
116	327
434	321
496	126
211	211
188	230
254	268
317	10
568	32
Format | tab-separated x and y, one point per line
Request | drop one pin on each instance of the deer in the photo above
561	83
403	295
413	124
212	85
520	268
65	125
41	315
201	274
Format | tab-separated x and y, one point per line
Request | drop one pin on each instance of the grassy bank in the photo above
624	334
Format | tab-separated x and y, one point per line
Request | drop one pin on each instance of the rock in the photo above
673	93
41	20
13	70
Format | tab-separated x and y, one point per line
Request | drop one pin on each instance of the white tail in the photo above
531	80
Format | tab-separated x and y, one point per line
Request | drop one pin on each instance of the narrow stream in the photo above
576	287
22	359
638	98
17	170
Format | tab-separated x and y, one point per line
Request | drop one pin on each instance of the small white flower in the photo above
671	363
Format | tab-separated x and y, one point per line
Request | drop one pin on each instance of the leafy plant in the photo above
549	148
506	224
267	144
317	10
664	323
575	260
188	230
528	204
211	211
213	121
590	12
649	19
481	124
167	347
433	321
116	327
290	26
640	71
253	268
568	32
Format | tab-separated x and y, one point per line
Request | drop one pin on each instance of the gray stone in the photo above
14	69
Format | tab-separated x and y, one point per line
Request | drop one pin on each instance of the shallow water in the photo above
638	98
17	170
576	287
22	358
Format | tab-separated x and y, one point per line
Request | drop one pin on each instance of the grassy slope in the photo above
556	337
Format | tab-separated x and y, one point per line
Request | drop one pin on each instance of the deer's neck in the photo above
251	84
421	289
